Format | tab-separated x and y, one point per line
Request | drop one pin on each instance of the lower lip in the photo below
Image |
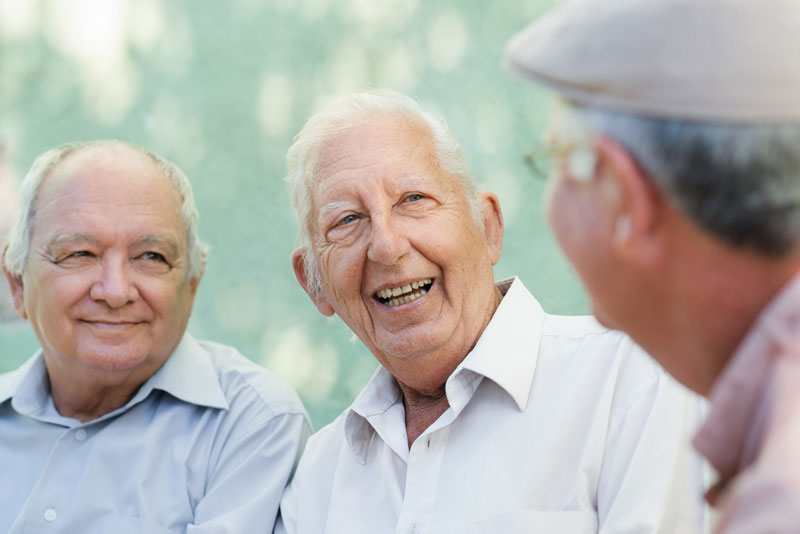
111	326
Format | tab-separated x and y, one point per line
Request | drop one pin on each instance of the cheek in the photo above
166	298
559	209
49	293
340	271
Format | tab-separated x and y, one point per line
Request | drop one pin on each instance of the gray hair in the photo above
350	111
739	182
19	238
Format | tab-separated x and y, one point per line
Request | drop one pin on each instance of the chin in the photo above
115	360
604	319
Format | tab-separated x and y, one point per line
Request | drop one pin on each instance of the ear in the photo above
315	293
195	281
492	224
17	293
633	201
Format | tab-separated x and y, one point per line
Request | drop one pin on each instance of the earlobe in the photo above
492	224
314	293
194	283
622	229
16	287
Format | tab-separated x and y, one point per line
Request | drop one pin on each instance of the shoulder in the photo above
321	457
244	382
11	381
579	327
580	342
327	443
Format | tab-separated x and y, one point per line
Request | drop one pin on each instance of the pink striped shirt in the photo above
752	434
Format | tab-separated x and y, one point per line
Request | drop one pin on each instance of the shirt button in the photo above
80	434
50	515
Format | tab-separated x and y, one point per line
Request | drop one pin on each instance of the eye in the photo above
414	197
153	256
347	219
71	257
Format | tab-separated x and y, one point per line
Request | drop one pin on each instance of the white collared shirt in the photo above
207	444
555	425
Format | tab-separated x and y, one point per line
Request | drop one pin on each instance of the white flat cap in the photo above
713	60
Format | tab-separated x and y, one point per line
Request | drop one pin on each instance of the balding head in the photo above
19	238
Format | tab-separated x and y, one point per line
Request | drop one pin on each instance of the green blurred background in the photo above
221	88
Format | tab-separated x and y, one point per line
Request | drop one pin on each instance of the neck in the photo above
710	297
87	407
89	395
422	379
422	409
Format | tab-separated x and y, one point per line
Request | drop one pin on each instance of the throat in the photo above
421	412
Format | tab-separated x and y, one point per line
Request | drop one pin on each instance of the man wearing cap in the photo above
676	196
486	414
122	423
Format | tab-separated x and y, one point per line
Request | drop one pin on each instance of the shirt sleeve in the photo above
245	487
651	480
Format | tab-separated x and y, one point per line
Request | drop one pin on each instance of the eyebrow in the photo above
333	207
149	240
62	239
159	240
406	182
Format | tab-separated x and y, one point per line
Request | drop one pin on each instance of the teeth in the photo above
403	295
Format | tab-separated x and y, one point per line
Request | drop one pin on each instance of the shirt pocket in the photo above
532	521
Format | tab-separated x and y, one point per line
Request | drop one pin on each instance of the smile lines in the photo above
395	296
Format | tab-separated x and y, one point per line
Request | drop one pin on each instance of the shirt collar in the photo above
505	353
377	397
27	386
188	374
508	349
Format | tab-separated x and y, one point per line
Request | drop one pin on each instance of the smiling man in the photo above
486	414
122	422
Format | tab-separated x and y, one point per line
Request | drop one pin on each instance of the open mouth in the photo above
397	296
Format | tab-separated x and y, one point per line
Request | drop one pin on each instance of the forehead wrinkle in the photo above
413	180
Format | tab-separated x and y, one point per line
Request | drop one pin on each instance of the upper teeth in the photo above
390	292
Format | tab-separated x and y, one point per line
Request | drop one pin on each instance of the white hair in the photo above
738	181
342	115
19	238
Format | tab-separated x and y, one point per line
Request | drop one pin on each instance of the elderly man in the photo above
485	414
678	200
122	422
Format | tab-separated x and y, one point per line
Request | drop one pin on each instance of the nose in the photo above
114	286
388	243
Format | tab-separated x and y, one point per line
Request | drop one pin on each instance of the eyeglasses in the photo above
580	160
537	160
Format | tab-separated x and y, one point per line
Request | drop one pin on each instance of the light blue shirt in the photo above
207	444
